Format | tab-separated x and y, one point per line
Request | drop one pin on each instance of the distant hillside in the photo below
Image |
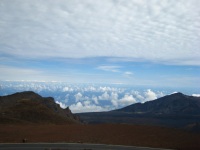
29	107
176	110
176	103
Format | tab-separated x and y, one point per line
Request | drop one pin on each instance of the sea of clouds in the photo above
87	97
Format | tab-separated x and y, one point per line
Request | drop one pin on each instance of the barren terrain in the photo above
120	134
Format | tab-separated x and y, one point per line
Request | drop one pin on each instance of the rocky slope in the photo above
29	107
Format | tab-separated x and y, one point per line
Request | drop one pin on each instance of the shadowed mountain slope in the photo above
176	103
175	110
29	107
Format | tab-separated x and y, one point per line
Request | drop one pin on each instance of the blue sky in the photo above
148	42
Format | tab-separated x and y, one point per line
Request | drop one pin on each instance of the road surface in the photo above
70	146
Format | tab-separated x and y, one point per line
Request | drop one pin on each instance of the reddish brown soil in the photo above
119	134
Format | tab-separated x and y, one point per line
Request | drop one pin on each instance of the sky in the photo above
137	42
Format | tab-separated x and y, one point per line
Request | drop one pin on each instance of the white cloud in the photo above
147	95
109	68
124	101
104	96
62	105
114	96
86	107
138	96
196	95
115	103
127	100
80	29
160	94
114	99
86	103
68	89
78	96
95	99
110	89
118	98
90	88
105	88
150	95
128	73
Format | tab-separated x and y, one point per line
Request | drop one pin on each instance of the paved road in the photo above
69	146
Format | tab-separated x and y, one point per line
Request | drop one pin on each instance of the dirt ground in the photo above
119	134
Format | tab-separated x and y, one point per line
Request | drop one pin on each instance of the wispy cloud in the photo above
128	73
8	72
109	68
164	31
106	41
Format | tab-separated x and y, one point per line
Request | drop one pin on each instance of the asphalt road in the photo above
69	146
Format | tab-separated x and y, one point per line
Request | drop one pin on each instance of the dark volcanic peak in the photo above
175	110
31	107
176	103
26	94
11	100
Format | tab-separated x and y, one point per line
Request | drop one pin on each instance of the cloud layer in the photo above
164	31
86	97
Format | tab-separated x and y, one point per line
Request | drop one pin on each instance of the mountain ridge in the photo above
176	103
175	110
30	107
